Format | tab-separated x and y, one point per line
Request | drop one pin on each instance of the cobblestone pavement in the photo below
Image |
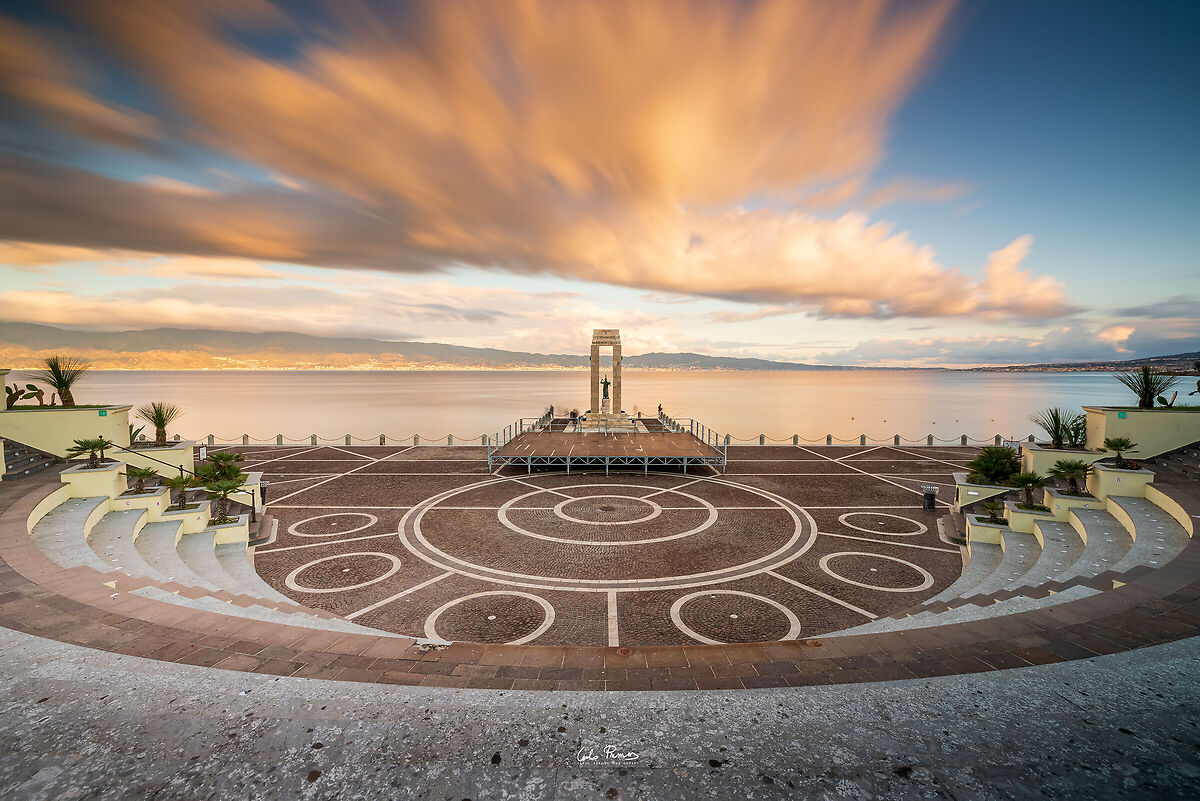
791	542
80	723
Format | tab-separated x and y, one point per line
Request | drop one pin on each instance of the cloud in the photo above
604	141
918	191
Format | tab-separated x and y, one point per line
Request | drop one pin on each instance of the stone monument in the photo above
606	338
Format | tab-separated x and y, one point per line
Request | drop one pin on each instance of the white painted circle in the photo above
677	619
371	520
547	621
927	582
415	541
655	511
921	527
291	582
502	515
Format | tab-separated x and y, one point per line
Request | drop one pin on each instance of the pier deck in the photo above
548	448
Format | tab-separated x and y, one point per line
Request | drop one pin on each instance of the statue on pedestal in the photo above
605	383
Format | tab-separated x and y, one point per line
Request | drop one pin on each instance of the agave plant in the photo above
221	490
1120	446
1148	384
1072	471
140	476
180	483
993	465
160	415
62	373
1063	426
93	447
1027	483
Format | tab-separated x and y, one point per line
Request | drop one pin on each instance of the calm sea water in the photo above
467	404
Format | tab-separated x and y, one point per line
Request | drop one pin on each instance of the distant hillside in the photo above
23	344
1178	363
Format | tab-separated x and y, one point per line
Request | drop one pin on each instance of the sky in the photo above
923	183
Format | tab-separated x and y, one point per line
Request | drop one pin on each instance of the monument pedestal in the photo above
606	406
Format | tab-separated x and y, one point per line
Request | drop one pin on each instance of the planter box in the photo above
54	429
966	493
154	501
249	493
1155	431
980	530
194	520
107	480
1039	458
1106	480
237	531
177	455
1061	503
1022	520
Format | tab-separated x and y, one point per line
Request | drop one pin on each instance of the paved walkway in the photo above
83	723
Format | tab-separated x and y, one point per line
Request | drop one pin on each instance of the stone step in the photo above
985	558
1158	537
1021	552
198	552
1061	548
252	612
969	611
156	544
112	540
60	534
235	560
1105	543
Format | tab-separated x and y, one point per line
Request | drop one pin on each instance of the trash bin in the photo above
930	497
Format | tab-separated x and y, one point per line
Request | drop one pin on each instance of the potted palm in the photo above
993	509
62	373
1120	446
180	483
1063	426
994	465
160	415
221	489
140	476
1148	384
94	447
1027	483
1072	471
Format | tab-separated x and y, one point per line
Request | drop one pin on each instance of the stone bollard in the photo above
896	440
416	440
997	439
382	439
795	439
279	439
347	439
449	439
1031	439
245	439
829	439
313	439
862	439
929	441
483	439
211	440
762	439
964	439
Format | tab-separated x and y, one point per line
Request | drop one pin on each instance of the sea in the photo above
467	404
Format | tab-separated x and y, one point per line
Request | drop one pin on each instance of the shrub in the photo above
1063	426
994	465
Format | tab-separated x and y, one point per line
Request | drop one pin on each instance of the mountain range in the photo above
23	345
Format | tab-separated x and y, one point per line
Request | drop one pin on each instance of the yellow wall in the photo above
54	430
237	531
193	519
984	532
965	493
45	505
1105	481
1022	521
177	454
1172	507
1039	459
1060	503
1154	430
108	480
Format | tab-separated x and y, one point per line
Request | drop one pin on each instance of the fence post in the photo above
210	440
896	440
416	440
313	440
964	439
1031	439
795	439
862	439
449	439
997	439
279	439
245	439
347	439
483	439
930	440
382	439
762	439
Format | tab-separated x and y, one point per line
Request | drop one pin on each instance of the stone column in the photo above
595	407
616	379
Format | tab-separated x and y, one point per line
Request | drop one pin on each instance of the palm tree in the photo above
140	475
1120	446
221	490
993	511
179	483
160	415
993	465
223	464
93	447
61	373
1072	471
1027	483
1061	425
1147	383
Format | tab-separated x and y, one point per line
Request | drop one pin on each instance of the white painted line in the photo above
613	638
327	542
859	453
672	489
888	542
397	596
352	508
878	477
929	458
331	478
544	489
824	595
276	459
352	453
